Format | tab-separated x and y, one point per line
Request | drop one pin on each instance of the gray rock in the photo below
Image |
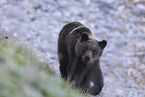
139	10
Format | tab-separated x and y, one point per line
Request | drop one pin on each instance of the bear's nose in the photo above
87	57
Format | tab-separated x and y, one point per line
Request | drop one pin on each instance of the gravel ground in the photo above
120	22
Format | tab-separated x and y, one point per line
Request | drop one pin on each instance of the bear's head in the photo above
89	49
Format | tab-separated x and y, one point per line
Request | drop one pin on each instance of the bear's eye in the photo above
85	48
95	51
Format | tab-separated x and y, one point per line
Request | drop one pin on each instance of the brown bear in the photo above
79	53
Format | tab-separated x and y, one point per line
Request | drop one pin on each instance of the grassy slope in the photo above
23	75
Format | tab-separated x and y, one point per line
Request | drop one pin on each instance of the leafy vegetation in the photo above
23	75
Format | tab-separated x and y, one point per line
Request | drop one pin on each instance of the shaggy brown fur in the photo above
79	54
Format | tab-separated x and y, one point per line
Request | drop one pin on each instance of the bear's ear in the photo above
102	44
84	37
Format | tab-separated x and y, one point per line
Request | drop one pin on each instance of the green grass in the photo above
23	75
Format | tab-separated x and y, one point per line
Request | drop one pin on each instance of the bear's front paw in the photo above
73	83
69	77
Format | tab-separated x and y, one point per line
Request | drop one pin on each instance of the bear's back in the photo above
68	28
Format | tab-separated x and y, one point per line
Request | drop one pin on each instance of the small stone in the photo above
66	14
37	6
87	2
139	10
57	14
122	74
15	34
33	18
120	8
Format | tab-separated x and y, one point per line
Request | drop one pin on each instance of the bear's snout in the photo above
87	57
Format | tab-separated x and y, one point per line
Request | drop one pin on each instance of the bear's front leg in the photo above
83	75
71	68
